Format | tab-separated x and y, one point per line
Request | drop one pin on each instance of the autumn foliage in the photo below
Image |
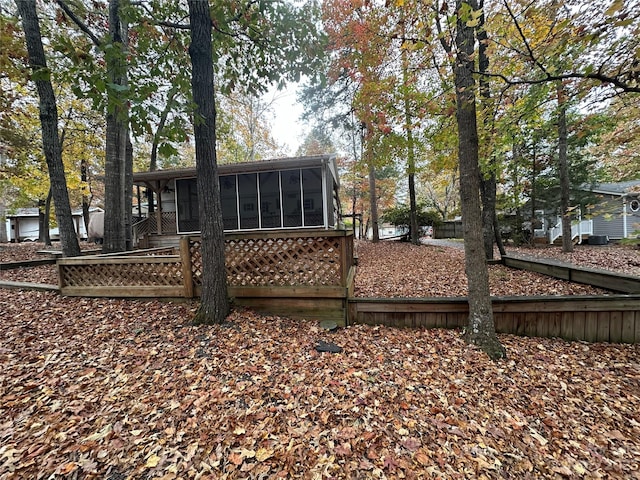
128	389
123	389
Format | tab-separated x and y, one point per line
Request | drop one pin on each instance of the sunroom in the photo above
285	193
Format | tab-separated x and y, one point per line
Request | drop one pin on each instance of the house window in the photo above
248	197
291	198
187	205
312	189
634	205
250	201
229	200
270	211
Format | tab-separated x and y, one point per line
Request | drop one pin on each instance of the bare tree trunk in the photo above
481	328
116	141
488	179
84	177
128	195
47	215
214	304
488	195
411	156
42	227
3	218
153	163
49	123
373	204
563	163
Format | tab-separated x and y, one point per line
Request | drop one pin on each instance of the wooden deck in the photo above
298	273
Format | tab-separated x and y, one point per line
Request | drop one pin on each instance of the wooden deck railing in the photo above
286	272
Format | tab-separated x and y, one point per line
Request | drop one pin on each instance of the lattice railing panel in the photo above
141	228
136	273
196	261
255	262
169	222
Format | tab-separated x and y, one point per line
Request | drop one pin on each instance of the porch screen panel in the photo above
229	200
313	202
291	198
187	204
270	200
248	200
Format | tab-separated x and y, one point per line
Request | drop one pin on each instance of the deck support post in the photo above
185	258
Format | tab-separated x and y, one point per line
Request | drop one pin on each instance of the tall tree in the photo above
49	121
118	162
563	167
481	328
118	180
214	305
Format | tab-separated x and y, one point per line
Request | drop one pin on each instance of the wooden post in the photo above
185	258
61	283
345	261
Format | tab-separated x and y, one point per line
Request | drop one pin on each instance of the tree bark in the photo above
563	164
86	201
480	329
488	180
411	155
214	303
47	215
153	162
49	123
3	217
373	204
115	236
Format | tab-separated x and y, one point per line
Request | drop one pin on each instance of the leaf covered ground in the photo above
397	269
117	389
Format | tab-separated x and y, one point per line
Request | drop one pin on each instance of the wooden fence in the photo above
614	318
617	282
310	274
298	273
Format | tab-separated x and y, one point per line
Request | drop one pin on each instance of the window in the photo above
634	205
276	199
248	197
187	205
270	212
291	198
312	189
229	200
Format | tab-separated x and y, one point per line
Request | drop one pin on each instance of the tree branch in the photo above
524	39
604	79
80	24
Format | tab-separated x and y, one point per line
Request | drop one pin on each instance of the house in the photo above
277	194
617	212
24	224
613	214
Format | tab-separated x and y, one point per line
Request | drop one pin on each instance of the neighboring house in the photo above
614	214
284	193
617	212
24	225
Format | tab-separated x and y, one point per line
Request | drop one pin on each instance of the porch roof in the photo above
619	189
246	167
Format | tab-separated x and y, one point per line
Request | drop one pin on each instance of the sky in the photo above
287	128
